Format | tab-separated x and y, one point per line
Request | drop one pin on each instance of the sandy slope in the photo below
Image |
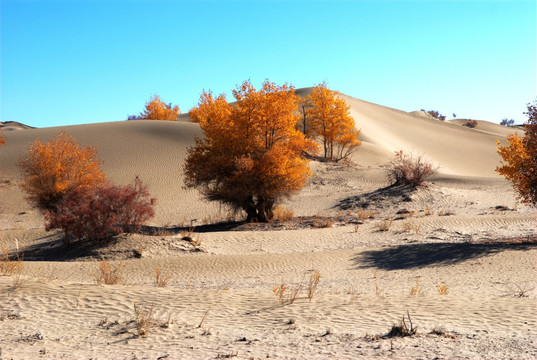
450	232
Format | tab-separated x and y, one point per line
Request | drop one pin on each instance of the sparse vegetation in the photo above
443	289
143	318
384	225
416	289
470	123
378	290
436	114
161	280
366	214
7	265
286	295
408	169
109	274
282	213
315	277
403	330
322	223
507	122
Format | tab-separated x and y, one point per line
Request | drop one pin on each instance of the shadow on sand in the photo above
389	194
415	256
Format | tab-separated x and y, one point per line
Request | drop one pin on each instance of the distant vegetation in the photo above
520	159
436	114
156	109
470	123
507	122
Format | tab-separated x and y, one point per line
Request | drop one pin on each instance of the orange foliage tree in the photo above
520	159
251	155
330	121
156	109
54	169
2	139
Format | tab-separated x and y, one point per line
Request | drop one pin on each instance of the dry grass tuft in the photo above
378	290
315	277
384	225
108	274
8	266
282	213
160	279
143	319
323	223
366	214
417	289
442	289
285	294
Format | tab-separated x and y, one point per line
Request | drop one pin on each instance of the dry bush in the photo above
322	223
188	235
442	289
160	279
8	266
470	123
282	213
407	226
101	213
417	289
384	225
314	283
108	274
366	214
408	169
428	211
403	330
444	212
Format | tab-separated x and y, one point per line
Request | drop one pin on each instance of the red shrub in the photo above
409	170
101	213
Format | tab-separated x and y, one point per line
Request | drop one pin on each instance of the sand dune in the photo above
369	242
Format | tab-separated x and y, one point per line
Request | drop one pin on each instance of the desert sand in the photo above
464	231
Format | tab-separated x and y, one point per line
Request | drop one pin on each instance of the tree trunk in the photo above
250	208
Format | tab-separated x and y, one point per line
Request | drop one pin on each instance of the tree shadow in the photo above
416	256
52	248
391	194
174	230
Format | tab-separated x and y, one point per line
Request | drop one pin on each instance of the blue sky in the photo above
72	62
